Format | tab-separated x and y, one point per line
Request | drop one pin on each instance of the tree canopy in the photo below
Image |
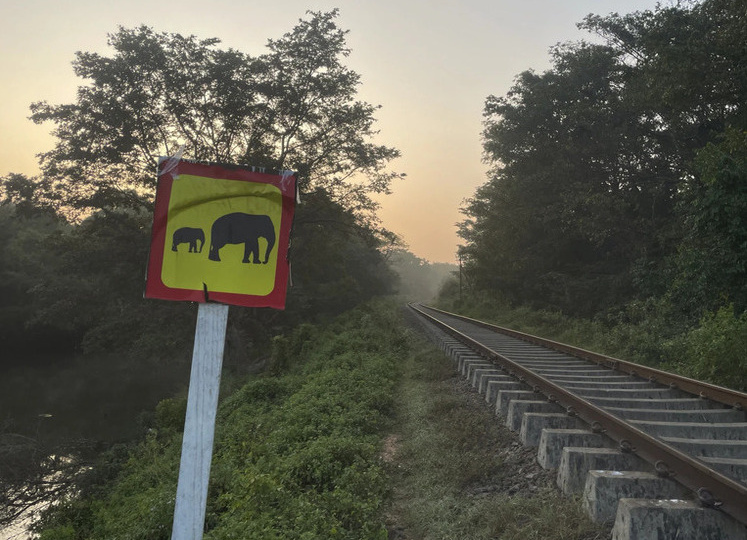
293	107
75	239
606	168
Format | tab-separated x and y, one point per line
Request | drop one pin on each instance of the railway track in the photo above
655	454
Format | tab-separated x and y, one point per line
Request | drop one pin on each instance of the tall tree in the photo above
577	187
293	107
690	85
24	228
711	267
688	61
80	284
590	158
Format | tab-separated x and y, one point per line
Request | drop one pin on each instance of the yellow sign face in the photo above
221	234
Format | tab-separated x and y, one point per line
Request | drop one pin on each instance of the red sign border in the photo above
154	285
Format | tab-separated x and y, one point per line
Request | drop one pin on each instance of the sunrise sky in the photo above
429	64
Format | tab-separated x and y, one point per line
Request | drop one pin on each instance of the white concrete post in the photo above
199	424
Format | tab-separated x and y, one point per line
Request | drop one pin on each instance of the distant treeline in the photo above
80	286
419	280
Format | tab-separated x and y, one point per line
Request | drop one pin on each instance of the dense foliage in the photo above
297	452
615	213
293	107
75	328
77	237
619	174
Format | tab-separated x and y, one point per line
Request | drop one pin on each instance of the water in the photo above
19	529
101	400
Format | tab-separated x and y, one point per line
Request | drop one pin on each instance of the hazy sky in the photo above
429	64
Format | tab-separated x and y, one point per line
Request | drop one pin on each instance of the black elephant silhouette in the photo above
241	228
188	235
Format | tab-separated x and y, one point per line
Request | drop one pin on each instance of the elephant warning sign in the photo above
220	234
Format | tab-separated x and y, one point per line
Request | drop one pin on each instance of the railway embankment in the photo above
362	429
457	472
655	454
297	452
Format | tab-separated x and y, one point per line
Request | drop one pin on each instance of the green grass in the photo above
449	474
302	452
296	454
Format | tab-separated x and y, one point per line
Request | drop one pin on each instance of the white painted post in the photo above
199	424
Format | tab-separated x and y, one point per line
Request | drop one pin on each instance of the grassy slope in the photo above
306	452
297	451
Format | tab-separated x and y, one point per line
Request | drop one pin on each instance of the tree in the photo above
691	84
75	240
689	77
591	157
711	267
336	260
25	226
293	107
577	189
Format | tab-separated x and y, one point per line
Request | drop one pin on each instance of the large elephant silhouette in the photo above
188	235
241	228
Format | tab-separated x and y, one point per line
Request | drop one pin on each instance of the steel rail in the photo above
712	488
725	396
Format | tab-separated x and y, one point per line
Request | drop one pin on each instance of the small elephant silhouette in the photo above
241	228
188	235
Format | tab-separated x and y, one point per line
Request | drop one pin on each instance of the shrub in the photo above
715	351
296	453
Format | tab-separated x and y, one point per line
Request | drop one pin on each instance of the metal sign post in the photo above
199	425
